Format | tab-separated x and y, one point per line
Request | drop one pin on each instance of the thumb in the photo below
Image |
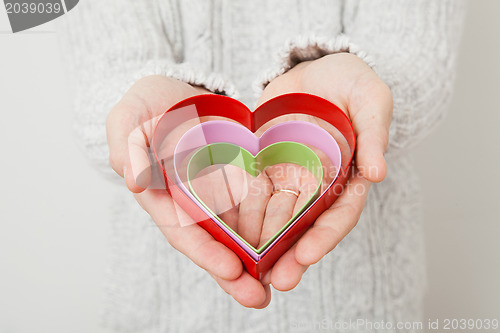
128	145
370	109
130	126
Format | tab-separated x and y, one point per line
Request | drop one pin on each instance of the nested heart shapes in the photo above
280	152
294	133
216	105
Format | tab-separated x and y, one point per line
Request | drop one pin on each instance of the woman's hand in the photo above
130	127
257	208
345	80
341	78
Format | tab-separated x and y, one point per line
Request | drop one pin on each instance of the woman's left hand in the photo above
347	81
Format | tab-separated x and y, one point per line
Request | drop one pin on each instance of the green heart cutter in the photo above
280	152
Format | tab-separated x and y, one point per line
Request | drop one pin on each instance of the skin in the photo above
341	78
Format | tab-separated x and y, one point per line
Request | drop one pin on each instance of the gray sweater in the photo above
235	47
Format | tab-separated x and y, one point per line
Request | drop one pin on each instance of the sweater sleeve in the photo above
412	46
107	46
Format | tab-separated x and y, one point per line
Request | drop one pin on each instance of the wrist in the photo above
201	90
288	82
293	79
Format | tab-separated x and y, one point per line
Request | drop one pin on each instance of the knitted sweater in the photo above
235	47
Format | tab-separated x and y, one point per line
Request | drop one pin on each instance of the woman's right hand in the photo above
129	127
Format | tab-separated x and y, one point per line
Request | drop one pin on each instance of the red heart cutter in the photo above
222	106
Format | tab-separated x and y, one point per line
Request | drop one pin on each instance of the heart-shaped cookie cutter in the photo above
197	107
276	153
216	131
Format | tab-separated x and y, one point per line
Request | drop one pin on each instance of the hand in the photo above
130	127
257	208
353	86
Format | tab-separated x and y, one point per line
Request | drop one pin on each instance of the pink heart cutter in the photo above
225	131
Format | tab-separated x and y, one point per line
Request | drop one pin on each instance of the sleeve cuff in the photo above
305	48
213	82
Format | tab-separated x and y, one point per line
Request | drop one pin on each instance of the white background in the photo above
54	207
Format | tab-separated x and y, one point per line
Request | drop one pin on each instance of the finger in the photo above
129	143
192	240
122	120
287	271
285	179
229	193
267	301
253	208
246	290
334	224
230	217
305	195
278	212
138	159
221	188
371	115
308	186
147	98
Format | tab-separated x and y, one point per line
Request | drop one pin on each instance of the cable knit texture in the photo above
235	48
